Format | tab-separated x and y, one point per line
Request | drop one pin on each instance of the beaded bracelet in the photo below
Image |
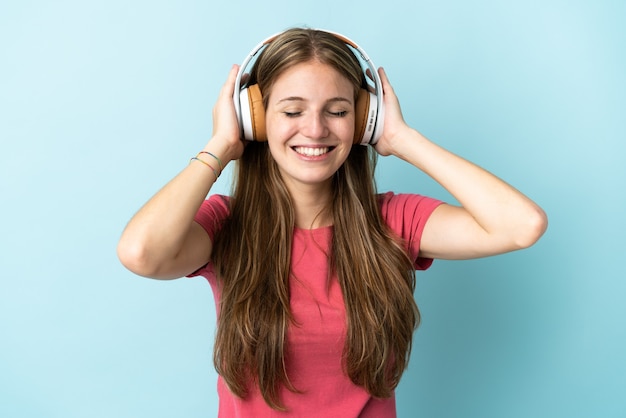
219	162
208	165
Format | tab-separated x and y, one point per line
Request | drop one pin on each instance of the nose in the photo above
314	126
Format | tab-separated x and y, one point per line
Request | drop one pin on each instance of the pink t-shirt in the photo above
315	344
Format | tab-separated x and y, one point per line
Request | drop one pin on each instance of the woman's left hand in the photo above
395	127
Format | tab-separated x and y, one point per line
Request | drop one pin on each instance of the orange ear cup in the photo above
257	113
361	110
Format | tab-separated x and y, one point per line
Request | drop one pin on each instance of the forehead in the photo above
312	79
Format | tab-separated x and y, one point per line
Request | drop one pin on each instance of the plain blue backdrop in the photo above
101	102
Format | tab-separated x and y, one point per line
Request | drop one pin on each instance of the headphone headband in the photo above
373	113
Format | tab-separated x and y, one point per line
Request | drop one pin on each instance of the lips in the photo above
312	151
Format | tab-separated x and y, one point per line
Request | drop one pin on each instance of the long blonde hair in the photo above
252	253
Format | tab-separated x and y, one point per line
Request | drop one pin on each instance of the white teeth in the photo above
311	152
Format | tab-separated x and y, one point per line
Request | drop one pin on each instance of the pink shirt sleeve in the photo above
212	213
406	215
210	216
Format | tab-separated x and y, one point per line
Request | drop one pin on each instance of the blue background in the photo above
101	102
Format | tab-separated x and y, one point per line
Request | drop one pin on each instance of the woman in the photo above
311	269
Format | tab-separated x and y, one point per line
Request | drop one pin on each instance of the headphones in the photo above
369	109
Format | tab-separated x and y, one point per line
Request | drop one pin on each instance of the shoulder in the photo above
213	211
216	203
402	205
406	216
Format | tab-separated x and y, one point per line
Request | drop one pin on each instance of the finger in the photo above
383	78
229	86
387	87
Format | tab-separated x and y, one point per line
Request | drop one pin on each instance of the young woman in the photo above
311	269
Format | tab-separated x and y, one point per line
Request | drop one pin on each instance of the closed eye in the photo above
339	114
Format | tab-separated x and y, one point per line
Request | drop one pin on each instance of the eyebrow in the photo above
301	99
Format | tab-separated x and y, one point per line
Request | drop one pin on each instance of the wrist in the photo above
404	142
219	151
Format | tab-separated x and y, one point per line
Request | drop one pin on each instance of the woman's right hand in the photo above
226	134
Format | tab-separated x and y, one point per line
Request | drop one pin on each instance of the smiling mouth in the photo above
312	152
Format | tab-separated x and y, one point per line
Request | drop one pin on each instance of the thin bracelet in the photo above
219	162
208	165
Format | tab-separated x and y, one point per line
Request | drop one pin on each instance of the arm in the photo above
493	217
162	241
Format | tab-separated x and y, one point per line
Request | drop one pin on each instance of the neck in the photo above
311	205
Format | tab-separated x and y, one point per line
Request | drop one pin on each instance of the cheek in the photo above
277	129
345	129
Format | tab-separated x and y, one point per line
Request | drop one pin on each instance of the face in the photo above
310	123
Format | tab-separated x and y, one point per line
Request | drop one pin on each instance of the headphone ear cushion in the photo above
252	116
362	132
361	109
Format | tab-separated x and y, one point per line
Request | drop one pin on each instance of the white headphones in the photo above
369	107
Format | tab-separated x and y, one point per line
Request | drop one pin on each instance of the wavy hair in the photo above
252	254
